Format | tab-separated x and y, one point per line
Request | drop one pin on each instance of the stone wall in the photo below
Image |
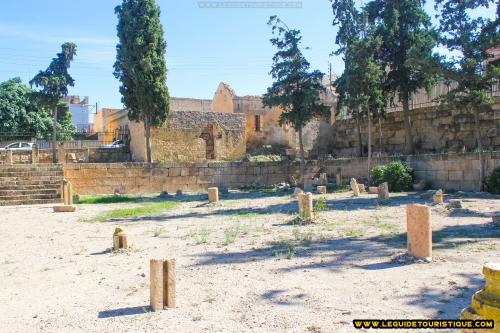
447	171
190	136
435	130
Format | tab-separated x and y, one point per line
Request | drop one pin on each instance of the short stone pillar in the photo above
355	187
67	196
361	188
485	303
34	155
162	288
338	177
419	231
213	194
438	197
373	190
61	152
322	189
323	179
9	157
86	155
383	191
296	192
119	240
305	206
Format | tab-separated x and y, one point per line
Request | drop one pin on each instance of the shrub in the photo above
398	175
492	182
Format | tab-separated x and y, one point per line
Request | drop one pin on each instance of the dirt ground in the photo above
241	265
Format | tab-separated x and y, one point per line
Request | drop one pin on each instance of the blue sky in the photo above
205	46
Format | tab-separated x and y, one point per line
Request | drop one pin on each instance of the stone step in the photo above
25	174
30	202
36	167
30	179
54	186
7	198
16	192
23	182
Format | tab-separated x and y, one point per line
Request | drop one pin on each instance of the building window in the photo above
258	125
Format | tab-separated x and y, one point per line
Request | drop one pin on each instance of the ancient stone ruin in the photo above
162	287
419	231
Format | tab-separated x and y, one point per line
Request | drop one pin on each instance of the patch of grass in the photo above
107	199
304	238
230	234
353	233
202	236
284	250
321	205
146	210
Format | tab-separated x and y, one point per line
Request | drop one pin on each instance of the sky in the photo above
204	45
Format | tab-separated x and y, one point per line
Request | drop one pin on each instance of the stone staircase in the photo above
30	184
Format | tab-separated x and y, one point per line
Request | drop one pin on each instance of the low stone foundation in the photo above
447	171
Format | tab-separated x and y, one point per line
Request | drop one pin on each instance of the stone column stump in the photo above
323	179
485	303
383	191
354	187
438	197
322	189
419	231
373	190
162	288
338	179
67	196
305	206
119	240
9	157
213	194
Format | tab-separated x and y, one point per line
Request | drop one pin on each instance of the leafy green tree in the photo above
53	86
360	87
348	20
470	68
19	113
140	65
407	47
295	89
367	77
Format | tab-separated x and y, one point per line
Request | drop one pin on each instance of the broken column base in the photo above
321	189
64	209
486	302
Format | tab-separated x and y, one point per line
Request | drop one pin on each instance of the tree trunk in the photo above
54	135
409	148
379	137
360	141
147	130
369	145
477	134
302	160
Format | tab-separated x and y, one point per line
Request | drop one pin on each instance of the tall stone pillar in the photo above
354	187
162	288
419	231
305	206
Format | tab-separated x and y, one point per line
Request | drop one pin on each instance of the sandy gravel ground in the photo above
57	276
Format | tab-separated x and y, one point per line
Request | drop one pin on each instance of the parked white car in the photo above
115	144
18	146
